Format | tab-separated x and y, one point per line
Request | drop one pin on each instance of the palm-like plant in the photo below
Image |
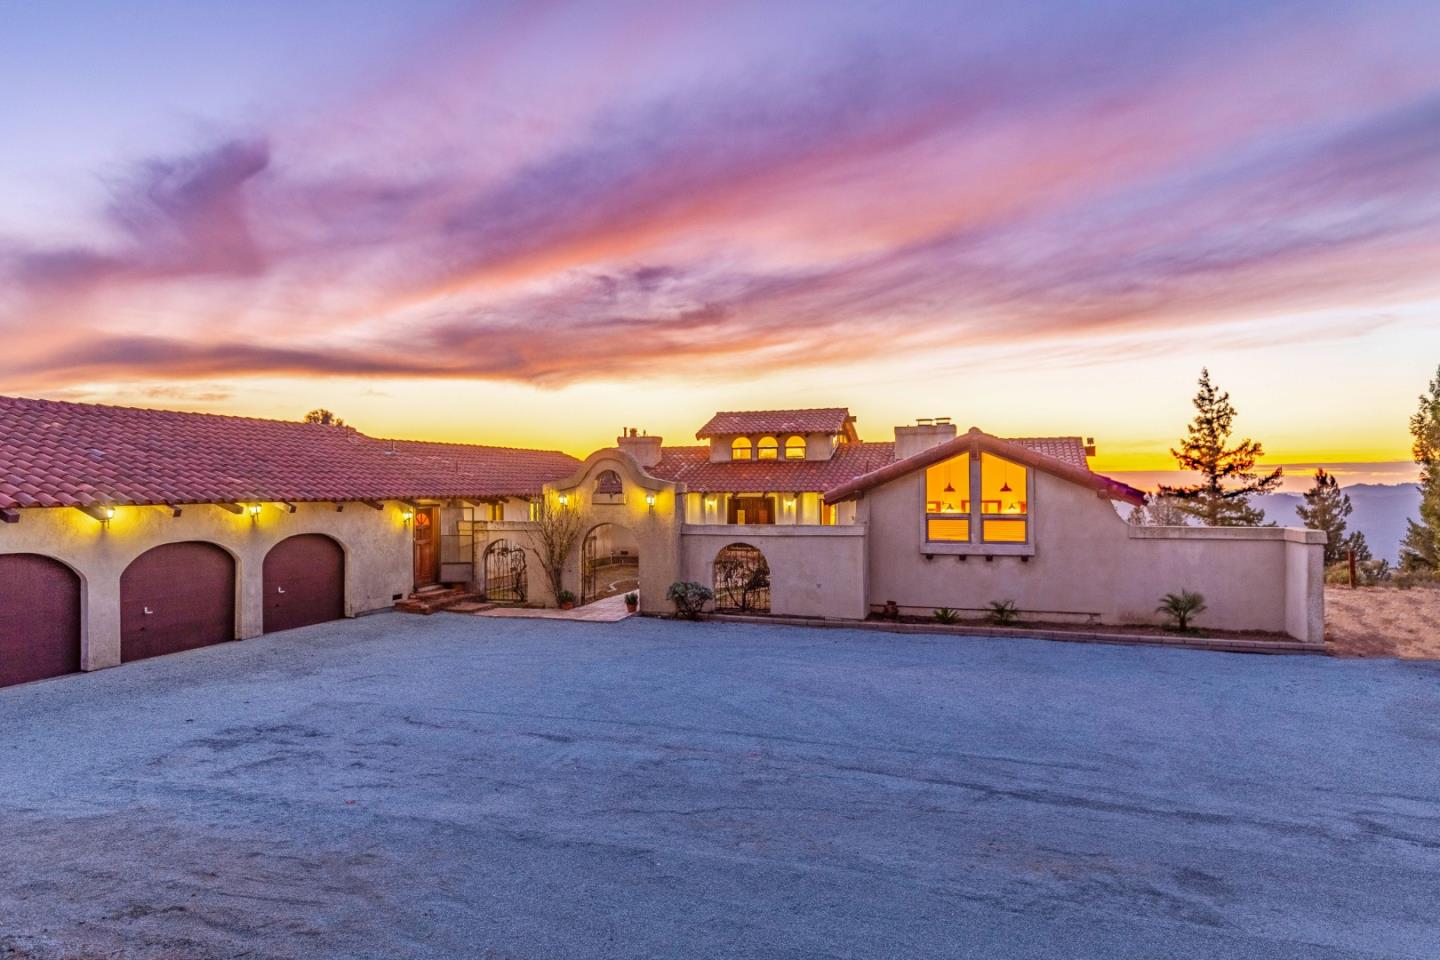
1181	606
946	615
1003	612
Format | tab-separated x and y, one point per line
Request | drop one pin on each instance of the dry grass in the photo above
1383	622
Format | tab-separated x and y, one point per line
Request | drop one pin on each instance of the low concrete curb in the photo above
1221	644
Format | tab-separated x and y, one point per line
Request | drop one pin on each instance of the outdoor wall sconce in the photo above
254	511
650	500
407	515
789	503
100	513
564	499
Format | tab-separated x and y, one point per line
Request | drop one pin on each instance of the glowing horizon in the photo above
531	224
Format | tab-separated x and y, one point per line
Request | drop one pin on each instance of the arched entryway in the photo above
304	582
505	579
741	579
39	618
609	563
178	596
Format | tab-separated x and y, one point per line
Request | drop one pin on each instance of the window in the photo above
497	510
795	448
767	449
1001	512
1004	500
534	510
947	500
740	448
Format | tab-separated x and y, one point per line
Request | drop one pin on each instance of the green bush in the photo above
1003	612
631	599
1181	607
564	597
946	615
689	598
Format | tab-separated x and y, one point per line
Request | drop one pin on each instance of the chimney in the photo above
926	433
643	447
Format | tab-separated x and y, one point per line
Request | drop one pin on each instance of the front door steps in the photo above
429	599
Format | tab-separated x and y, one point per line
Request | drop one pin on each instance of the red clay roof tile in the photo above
78	454
736	422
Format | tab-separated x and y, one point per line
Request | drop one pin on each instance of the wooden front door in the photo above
427	547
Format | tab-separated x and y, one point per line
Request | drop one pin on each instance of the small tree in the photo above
1181	606
323	417
1326	507
1227	473
1420	550
689	598
555	530
1159	511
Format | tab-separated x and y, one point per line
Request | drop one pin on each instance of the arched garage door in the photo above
39	618
176	597
304	582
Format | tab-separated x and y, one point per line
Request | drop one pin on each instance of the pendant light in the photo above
949	486
1005	487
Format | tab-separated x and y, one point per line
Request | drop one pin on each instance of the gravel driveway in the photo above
407	787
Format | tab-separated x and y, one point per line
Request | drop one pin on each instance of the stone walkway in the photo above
608	610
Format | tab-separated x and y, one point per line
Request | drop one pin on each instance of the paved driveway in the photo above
453	786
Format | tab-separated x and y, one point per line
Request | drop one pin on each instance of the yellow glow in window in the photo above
1005	487
947	486
795	448
948	528
1004	531
768	449
740	448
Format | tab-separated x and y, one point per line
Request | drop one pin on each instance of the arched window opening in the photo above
742	580
740	448
795	448
767	449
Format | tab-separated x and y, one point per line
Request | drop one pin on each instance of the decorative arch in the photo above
505	577
609	562
40	617
767	449
795	447
741	579
741	449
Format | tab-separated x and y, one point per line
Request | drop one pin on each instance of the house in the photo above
131	533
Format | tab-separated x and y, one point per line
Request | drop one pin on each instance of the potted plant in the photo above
566	599
632	602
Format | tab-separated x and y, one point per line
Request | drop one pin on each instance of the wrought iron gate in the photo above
505	572
742	579
587	569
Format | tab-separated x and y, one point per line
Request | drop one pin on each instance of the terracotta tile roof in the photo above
1038	452
817	420
81	454
692	466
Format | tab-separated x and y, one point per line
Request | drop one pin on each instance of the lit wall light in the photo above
254	511
710	503
564	499
650	500
407	515
789	503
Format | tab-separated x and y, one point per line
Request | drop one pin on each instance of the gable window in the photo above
740	448
767	449
1000	513
947	500
795	448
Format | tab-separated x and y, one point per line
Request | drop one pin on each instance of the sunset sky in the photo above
534	223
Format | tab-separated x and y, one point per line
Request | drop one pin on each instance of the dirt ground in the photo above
1383	622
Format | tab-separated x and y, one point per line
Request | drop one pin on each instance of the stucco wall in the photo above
814	571
1087	560
377	544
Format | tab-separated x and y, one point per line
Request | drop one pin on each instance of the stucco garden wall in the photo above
814	571
377	545
1088	560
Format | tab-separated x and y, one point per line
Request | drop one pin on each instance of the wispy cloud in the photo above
876	183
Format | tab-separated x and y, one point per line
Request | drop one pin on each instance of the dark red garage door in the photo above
39	618
304	582
176	597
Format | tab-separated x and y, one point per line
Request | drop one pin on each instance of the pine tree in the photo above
1227	474
1158	511
1326	507
1420	550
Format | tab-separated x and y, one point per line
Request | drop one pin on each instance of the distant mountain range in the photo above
1381	510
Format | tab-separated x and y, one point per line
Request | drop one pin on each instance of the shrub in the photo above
631	599
1003	612
564	597
1180	607
689	598
947	615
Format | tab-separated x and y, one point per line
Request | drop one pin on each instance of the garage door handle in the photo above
279	589
148	611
